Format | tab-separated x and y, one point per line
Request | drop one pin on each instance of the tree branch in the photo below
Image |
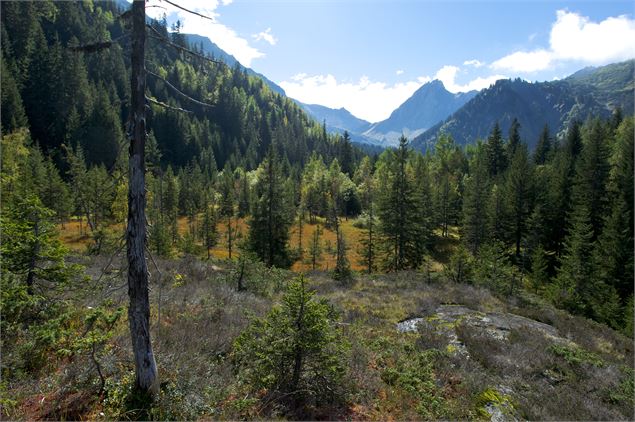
161	38
179	91
188	10
167	106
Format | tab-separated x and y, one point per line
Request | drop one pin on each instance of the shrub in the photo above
295	353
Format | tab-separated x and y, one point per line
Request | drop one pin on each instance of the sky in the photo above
369	56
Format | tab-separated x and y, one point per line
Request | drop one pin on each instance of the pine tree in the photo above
543	147
269	224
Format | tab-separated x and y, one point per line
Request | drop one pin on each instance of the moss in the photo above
494	397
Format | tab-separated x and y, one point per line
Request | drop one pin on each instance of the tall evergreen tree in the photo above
513	140
543	147
496	159
592	170
475	202
399	212
346	154
270	222
518	187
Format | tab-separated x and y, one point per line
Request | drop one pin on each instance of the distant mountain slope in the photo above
209	47
336	118
430	104
591	91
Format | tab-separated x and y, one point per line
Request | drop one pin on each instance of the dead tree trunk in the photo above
139	308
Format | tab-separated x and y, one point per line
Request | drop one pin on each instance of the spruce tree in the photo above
518	181
209	232
346	154
270	222
513	140
496	160
573	285
543	147
402	228
475	201
592	170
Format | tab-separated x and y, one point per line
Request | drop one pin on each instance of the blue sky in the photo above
371	55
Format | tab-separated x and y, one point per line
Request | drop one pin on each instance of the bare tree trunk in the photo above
139	308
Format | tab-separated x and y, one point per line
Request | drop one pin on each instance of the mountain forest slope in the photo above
291	275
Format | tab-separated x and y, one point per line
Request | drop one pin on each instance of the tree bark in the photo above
139	308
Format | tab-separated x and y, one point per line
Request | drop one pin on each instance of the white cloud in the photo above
399	72
265	35
225	37
474	62
574	37
370	100
522	61
447	74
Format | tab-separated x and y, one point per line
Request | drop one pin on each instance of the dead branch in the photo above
175	89
158	36
169	107
188	10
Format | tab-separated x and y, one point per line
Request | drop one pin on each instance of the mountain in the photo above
341	118
590	91
430	104
207	46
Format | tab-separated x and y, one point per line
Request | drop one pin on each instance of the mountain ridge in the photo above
590	91
428	105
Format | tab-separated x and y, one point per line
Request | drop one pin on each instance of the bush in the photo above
296	353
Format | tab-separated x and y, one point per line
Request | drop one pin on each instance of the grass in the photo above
391	376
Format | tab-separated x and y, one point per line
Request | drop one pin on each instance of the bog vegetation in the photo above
244	192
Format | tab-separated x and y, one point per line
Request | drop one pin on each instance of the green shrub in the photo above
575	355
296	353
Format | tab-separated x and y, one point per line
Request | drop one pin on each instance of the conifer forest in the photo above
182	241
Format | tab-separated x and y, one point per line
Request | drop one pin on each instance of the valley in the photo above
182	240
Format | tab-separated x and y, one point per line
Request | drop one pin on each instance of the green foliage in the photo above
296	351
31	247
271	218
461	266
415	374
575	355
474	228
401	210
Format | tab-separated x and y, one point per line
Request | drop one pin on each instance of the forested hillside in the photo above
72	97
292	276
